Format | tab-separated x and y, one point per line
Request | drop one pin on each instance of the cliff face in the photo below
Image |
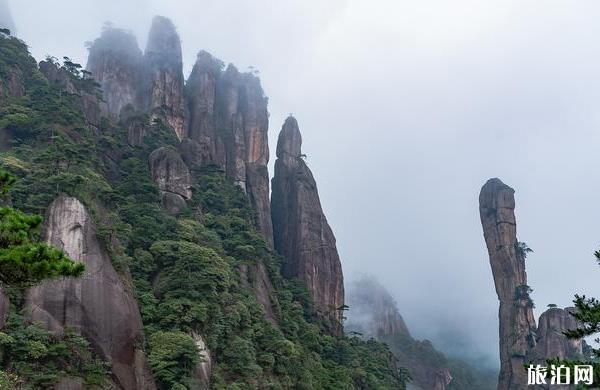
374	313
221	117
228	125
302	235
551	342
97	305
517	323
165	75
173	178
116	62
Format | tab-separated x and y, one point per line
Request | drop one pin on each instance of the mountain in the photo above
161	188
373	313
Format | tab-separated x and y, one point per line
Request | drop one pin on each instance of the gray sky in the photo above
406	108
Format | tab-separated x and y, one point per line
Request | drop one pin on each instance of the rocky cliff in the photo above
228	126
517	323
302	235
164	68
220	117
116	62
551	342
173	178
98	305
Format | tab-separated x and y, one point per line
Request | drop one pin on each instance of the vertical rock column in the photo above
517	323
116	62
301	232
164	96
228	126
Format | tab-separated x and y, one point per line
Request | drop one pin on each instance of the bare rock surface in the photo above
165	75
551	342
98	305
301	232
203	369
116	62
228	123
517	323
172	176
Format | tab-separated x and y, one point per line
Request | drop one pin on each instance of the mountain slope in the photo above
214	306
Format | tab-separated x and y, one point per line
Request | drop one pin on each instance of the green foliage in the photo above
39	358
523	250
24	260
191	275
172	355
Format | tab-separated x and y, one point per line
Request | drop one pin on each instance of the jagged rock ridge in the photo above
98	305
221	119
302	234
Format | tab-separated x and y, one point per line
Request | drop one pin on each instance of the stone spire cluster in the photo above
220	117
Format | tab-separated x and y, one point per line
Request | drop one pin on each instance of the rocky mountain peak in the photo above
116	62
517	323
164	98
290	139
164	44
301	232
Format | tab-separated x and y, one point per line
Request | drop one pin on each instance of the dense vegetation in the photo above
186	269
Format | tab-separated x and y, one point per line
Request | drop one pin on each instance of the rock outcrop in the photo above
220	117
98	305
301	232
551	342
116	62
374	313
204	367
173	178
228	126
517	323
165	75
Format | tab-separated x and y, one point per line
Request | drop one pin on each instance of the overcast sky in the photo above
406	109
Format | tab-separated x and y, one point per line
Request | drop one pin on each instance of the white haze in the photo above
406	108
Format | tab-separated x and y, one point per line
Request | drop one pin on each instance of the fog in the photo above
406	109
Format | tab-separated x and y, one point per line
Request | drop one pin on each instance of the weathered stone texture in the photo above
98	305
301	232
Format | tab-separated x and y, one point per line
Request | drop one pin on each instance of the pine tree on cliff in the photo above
23	259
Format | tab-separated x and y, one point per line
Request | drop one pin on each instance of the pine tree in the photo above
24	260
